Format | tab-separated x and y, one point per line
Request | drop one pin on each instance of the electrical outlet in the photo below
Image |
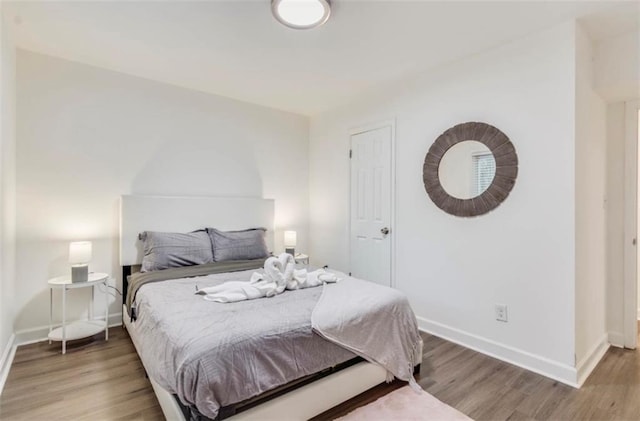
501	313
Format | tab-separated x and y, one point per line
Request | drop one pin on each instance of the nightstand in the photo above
82	328
302	259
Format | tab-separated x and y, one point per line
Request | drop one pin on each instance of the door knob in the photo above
384	231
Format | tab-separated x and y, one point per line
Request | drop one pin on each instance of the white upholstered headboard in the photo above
185	214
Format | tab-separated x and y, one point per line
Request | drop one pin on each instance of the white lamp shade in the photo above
80	252
290	238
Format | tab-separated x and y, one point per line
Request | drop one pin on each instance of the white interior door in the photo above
631	312
371	231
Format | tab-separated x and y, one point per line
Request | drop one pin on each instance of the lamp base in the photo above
79	273
290	250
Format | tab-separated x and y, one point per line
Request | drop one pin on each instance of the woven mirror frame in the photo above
505	176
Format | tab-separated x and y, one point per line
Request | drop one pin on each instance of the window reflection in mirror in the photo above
467	169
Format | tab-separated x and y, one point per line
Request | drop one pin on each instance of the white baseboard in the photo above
7	358
616	339
557	371
639	314
589	362
39	334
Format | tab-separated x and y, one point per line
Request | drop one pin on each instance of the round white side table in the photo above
81	328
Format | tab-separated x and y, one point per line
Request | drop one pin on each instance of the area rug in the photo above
405	404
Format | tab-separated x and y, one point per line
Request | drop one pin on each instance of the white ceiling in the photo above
236	48
613	21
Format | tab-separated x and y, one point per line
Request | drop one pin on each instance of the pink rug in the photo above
405	404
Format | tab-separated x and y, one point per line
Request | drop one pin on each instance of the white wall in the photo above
87	136
454	269
7	185
590	206
617	67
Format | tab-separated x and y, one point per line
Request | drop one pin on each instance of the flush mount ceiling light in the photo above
301	14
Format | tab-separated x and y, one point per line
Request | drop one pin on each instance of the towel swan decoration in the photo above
279	275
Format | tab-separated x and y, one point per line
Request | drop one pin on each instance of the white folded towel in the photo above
303	279
288	267
279	274
277	269
273	272
234	291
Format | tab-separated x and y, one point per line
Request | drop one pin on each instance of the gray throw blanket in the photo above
387	336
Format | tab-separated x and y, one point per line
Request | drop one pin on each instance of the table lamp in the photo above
290	242
79	257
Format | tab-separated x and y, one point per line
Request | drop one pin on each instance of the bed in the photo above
280	365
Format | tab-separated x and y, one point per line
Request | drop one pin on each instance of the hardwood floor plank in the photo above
502	407
94	380
519	416
527	382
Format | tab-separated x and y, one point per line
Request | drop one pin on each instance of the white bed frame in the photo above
184	214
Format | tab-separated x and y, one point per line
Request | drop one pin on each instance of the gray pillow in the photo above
163	250
238	245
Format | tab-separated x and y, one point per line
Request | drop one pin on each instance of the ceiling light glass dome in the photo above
301	14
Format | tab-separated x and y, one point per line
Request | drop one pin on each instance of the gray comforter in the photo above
213	354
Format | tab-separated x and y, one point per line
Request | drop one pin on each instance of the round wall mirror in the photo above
467	169
470	169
